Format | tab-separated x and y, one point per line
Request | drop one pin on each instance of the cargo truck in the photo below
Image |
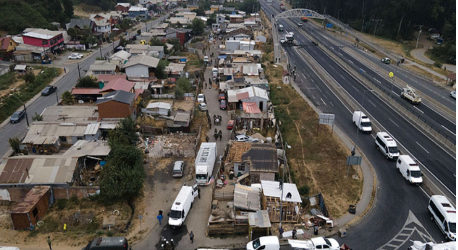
282	7
409	94
205	161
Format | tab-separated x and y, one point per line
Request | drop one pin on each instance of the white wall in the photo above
137	71
258	101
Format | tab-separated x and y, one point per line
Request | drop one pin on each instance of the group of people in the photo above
218	134
217	120
281	231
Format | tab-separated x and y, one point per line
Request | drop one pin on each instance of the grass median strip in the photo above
317	158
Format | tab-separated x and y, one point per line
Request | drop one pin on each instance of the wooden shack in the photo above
28	212
271	200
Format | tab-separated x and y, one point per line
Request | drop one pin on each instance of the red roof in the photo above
243	95
86	91
138	92
251	107
107	78
118	84
4	43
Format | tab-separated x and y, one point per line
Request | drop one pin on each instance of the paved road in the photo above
420	55
427	113
395	198
63	84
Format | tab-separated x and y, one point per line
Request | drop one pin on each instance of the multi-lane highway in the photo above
397	204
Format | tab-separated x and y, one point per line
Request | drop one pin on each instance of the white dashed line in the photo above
331	104
342	77
422	147
393	122
323	101
419	110
448	130
372	103
377	80
355	88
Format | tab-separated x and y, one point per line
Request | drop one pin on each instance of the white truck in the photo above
362	121
205	161
181	206
315	243
264	243
409	94
417	245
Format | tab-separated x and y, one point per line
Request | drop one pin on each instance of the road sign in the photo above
391	74
327	118
329	25
354	160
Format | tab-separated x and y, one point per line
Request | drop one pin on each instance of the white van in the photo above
386	144
181	206
362	121
444	214
265	242
409	169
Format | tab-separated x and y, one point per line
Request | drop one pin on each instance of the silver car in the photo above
178	169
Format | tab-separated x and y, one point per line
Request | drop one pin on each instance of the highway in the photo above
396	202
432	117
65	83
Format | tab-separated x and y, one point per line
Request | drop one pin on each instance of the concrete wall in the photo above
60	192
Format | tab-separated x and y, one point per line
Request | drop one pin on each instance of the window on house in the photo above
242	167
63	139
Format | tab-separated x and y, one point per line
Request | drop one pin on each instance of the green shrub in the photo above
61	204
438	64
304	190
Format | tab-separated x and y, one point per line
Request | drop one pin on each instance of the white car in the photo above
201	98
299	24
206	59
453	94
202	106
75	56
242	138
282	41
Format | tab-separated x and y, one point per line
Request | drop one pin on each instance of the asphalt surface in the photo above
65	83
430	116
395	198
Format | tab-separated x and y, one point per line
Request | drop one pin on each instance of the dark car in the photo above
221	96
48	90
223	105
108	243
17	116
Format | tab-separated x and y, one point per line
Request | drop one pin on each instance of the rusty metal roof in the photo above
30	200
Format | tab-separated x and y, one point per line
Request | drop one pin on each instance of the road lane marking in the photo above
422	147
419	110
331	104
342	77
398	95
393	122
448	130
355	88
323	101
377	80
372	103
350	61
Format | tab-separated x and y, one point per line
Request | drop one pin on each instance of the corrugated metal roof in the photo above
259	219
148	61
42	169
86	91
262	157
92	128
251	108
160	105
107	78
119	96
30	200
118	84
44	133
247	198
88	148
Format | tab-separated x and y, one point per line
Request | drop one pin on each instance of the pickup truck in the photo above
315	243
409	94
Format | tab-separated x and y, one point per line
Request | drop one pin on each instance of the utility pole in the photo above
25	109
57	97
418	38
101	51
282	184
79	73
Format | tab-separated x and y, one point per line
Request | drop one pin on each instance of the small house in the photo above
272	194
159	108
262	162
29	211
117	104
141	66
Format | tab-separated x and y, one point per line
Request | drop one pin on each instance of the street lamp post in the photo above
419	33
283	181
392	81
353	151
25	109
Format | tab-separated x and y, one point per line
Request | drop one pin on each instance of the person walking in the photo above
49	242
207	138
294	233
65	70
191	237
159	218
198	191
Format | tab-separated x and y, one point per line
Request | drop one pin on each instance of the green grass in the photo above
407	48
6	80
9	104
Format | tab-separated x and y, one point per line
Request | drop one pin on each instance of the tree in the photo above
37	117
67	98
199	12
73	33
139	32
125	24
160	69
211	20
184	84
14	144
198	26
87	82
124	133
156	42
29	77
68	9
122	42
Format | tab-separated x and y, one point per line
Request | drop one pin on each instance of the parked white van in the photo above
181	206
444	214
409	169
362	121
265	242
386	144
